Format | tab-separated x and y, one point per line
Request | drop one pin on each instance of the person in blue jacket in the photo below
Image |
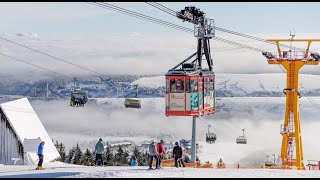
133	162
40	154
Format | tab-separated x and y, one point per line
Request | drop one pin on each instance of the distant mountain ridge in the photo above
227	85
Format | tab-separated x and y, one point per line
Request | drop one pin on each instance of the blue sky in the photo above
79	18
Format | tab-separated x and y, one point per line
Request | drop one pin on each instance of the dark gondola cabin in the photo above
190	92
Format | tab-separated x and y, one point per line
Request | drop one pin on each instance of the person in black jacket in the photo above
177	155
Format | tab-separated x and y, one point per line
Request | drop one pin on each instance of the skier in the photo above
160	151
177	155
153	154
99	149
40	154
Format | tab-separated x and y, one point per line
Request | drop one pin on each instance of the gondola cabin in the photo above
132	103
190	92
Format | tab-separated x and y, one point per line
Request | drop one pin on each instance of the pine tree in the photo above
125	158
77	155
121	157
62	152
87	159
108	157
144	159
137	154
70	156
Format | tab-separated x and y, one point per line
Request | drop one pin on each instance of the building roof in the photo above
120	144
27	125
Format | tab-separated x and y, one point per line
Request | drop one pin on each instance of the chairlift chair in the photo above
242	139
77	96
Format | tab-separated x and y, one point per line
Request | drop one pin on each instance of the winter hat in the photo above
176	143
100	139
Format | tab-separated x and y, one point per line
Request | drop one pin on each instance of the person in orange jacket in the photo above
160	151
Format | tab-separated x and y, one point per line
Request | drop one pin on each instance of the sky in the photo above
69	18
113	43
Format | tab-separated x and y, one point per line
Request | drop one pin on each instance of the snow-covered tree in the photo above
88	159
141	158
121	157
69	158
77	155
108	157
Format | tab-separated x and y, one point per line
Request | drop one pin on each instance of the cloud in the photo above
134	53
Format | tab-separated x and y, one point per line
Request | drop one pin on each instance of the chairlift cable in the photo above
51	56
34	65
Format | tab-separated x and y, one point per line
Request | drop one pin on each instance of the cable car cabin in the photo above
211	138
78	98
190	92
241	140
132	103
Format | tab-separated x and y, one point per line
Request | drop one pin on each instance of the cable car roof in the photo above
189	72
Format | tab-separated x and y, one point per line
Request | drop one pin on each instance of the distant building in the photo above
126	146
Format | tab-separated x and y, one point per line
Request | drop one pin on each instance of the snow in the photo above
27	125
62	170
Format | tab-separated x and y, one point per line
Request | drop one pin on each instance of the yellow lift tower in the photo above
292	61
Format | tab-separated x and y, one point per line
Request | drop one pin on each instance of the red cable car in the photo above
190	90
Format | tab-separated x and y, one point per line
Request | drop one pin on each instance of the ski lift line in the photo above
156	5
229	31
158	21
139	15
51	56
34	65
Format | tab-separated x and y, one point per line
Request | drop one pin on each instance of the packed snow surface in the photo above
61	170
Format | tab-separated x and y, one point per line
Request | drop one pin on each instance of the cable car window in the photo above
167	86
177	85
206	86
193	85
211	84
